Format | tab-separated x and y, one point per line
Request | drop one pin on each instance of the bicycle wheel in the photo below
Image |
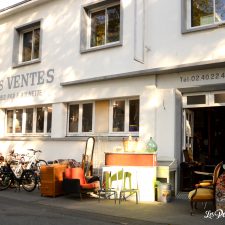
28	180
5	180
40	163
37	170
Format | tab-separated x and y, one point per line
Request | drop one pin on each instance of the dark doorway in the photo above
209	135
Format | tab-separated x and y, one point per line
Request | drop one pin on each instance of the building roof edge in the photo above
14	5
210	64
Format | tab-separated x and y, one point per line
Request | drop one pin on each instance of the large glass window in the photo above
105	26
30	46
80	118
104	116
125	115
206	12
29	120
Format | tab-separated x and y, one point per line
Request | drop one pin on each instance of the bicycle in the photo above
18	175
34	163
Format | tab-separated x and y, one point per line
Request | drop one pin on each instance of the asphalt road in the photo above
17	212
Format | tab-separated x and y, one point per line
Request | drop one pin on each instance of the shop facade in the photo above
93	68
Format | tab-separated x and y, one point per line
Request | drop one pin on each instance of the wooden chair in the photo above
204	191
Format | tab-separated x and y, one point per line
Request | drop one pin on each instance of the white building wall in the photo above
165	121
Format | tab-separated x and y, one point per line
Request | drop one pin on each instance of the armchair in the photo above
204	191
74	182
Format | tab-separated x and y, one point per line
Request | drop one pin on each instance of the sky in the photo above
6	3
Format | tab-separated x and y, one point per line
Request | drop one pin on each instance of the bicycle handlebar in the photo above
33	150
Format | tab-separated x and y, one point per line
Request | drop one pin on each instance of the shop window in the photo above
80	118
101	25
125	115
204	14
29	120
104	116
27	40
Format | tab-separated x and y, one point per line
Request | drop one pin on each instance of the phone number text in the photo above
202	77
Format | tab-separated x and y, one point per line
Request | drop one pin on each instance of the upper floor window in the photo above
105	26
202	14
30	42
36	120
27	44
205	12
101	25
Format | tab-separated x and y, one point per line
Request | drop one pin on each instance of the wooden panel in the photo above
118	159
102	116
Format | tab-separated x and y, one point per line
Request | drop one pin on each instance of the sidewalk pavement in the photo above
176	212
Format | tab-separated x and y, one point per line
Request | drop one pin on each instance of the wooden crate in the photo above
51	180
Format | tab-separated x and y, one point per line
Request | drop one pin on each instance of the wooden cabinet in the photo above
51	180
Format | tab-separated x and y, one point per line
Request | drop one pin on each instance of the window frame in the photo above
80	118
18	43
85	33
126	117
110	132
21	47
24	120
186	20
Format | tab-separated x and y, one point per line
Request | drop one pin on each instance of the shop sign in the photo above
200	77
18	85
192	78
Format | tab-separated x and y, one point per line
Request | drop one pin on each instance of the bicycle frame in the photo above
17	179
